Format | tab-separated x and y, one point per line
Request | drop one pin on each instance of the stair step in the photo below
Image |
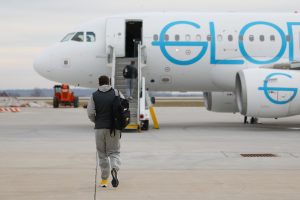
121	85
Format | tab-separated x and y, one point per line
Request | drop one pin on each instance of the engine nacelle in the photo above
220	102
268	93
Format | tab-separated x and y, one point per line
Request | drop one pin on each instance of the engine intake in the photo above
268	93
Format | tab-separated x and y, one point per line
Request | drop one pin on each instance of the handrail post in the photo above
111	61
139	81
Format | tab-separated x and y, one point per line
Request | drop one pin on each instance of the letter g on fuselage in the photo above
163	44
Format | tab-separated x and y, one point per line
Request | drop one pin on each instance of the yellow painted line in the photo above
154	119
132	126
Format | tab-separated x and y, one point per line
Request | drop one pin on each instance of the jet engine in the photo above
220	102
268	93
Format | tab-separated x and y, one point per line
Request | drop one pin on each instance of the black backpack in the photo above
120	112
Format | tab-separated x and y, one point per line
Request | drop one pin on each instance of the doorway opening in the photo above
134	30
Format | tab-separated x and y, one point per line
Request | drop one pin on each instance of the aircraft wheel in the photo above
245	120
253	120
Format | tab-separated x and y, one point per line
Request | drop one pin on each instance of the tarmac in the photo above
49	153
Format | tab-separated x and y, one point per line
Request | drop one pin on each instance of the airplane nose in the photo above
41	63
37	64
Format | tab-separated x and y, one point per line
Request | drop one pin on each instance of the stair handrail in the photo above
143	56
142	96
111	61
139	79
110	55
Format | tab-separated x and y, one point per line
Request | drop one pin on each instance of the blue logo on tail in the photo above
267	89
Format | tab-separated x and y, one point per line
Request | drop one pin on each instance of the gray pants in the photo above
108	147
130	85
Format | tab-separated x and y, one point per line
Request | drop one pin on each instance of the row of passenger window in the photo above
220	38
79	37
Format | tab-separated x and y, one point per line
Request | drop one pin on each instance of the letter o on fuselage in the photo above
251	59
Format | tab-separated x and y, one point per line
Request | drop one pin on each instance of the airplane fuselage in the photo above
185	51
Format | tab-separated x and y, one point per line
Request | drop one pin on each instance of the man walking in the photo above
108	144
130	74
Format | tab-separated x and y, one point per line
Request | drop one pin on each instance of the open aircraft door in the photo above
115	35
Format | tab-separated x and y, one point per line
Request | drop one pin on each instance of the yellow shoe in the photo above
104	183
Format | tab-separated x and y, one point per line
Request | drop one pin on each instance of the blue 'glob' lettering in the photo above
162	44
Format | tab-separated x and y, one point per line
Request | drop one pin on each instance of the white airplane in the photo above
245	63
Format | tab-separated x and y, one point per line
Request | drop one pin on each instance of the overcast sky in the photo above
29	26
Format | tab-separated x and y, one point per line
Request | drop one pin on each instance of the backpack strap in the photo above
117	93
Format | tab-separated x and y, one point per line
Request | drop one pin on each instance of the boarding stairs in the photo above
140	105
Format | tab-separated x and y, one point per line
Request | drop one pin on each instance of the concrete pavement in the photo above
50	154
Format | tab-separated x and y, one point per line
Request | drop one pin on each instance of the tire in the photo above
76	101
55	102
254	120
245	120
145	125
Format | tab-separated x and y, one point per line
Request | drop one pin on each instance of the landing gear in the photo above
245	120
254	120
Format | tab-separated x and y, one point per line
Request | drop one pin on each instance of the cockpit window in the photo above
67	37
78	37
90	37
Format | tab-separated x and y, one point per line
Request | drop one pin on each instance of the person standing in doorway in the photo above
108	144
130	74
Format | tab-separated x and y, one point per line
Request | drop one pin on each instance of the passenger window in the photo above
262	38
67	37
78	37
251	38
220	37
155	37
230	38
90	37
167	37
208	37
272	38
198	37
187	37
177	37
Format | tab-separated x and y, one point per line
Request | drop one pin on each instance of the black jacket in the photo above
103	107
130	72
